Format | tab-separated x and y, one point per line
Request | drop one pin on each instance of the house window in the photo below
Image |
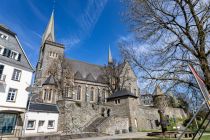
50	124
1	72
92	94
16	75
11	94
31	124
14	55
41	123
79	93
4	36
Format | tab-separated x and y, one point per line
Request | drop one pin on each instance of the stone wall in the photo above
147	117
175	112
114	125
74	116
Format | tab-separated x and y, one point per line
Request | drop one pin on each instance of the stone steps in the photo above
93	126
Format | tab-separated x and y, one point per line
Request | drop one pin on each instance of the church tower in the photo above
49	51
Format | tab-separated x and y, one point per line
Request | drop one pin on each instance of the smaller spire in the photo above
110	60
158	90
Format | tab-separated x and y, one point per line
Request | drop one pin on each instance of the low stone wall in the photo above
146	118
114	125
45	137
175	112
74	116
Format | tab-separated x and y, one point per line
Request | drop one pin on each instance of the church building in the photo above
83	98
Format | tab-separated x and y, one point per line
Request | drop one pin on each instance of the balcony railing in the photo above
2	77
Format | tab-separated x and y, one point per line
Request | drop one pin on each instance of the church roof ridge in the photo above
70	59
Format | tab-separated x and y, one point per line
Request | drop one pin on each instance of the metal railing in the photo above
2	77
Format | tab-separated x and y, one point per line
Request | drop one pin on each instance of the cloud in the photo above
89	18
140	48
86	22
71	41
37	34
37	12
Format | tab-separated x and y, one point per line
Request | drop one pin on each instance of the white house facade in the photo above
41	118
15	76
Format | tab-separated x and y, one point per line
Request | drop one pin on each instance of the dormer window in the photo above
14	55
10	53
4	36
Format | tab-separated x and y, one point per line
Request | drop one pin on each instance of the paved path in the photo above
120	136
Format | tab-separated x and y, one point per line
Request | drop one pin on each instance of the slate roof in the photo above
12	43
41	107
78	76
121	94
85	71
50	81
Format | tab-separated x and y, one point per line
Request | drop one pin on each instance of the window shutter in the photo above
19	57
8	53
5	51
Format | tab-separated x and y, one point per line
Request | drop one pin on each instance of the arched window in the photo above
68	92
129	87
92	94
45	94
86	94
50	95
103	95
134	92
79	93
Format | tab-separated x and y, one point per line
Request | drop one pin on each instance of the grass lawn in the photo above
205	137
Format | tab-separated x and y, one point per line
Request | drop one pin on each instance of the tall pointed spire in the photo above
49	32
110	61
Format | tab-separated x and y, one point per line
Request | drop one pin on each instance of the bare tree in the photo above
115	75
178	33
61	70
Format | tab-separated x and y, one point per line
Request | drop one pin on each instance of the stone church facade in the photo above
90	107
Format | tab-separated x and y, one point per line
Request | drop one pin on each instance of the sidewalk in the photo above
120	136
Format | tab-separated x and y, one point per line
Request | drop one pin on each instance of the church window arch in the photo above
79	92
45	94
50	95
86	94
68	92
103	95
134	92
129	87
92	94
